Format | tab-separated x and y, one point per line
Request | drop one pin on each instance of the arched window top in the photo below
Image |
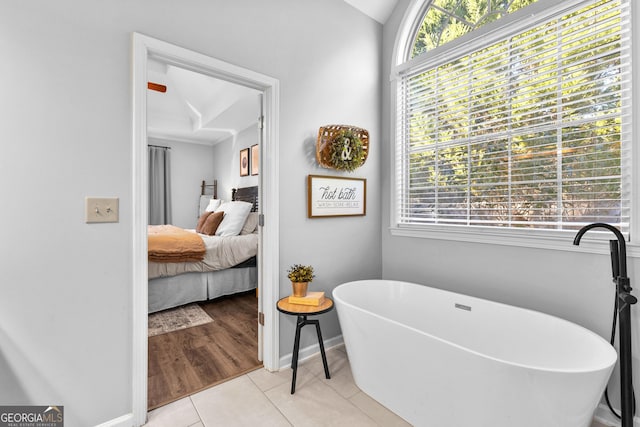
446	20
516	116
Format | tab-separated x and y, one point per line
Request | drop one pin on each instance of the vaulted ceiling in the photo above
380	10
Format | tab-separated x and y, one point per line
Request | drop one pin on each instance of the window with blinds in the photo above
528	129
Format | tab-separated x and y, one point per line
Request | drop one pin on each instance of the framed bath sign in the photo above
329	196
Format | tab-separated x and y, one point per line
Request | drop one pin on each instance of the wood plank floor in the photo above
189	360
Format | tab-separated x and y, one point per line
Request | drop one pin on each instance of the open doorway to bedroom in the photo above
154	56
204	183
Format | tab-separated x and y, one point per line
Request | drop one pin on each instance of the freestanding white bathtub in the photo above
442	359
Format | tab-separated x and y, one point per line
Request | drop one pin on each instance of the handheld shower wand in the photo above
623	302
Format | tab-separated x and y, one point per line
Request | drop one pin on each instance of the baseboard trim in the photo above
310	351
123	421
604	416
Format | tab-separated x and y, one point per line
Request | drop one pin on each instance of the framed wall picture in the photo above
329	196
255	159
244	162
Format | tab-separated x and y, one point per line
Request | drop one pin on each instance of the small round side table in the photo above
302	311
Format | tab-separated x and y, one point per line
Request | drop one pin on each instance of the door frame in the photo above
143	48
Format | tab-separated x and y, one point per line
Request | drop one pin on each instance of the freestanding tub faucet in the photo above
624	301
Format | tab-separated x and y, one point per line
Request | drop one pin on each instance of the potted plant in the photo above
300	276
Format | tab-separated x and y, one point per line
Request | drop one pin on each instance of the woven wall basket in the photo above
326	135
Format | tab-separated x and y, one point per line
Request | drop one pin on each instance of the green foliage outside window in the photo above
502	137
446	20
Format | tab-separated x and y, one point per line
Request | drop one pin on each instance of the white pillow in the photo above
213	205
235	215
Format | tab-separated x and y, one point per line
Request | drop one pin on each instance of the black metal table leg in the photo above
296	349
324	356
302	321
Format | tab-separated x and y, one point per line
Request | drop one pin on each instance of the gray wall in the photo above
226	161
65	304
331	77
568	284
190	164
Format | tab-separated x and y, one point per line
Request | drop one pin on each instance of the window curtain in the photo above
159	185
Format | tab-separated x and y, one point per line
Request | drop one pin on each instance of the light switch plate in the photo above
101	209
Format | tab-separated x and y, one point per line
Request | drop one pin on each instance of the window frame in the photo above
531	238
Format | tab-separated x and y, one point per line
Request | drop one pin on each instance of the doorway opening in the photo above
203	324
148	50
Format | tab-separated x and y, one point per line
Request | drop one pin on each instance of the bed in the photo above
228	265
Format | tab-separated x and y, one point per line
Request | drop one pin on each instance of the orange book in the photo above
312	298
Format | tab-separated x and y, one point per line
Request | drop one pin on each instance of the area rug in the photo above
177	318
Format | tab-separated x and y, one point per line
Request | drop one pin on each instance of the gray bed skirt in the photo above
169	292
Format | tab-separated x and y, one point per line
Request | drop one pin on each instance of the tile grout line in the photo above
271	401
316	377
319	376
365	414
197	412
348	399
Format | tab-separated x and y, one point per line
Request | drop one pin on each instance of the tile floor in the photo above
261	398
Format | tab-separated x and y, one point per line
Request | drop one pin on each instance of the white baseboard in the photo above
123	421
604	416
310	351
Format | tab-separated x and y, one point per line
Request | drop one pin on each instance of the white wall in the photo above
190	164
569	284
226	161
65	293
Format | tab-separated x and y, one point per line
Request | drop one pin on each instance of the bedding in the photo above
209	222
201	220
213	205
169	292
251	225
221	253
171	244
229	263
235	215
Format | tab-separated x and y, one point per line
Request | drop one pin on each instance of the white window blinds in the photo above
530	130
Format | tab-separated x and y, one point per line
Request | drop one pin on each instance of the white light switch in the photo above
101	209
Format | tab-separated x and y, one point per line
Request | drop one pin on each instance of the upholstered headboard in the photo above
246	194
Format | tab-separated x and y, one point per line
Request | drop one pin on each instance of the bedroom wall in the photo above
190	164
226	162
565	283
65	297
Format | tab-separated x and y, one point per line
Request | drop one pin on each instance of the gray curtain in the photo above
159	185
